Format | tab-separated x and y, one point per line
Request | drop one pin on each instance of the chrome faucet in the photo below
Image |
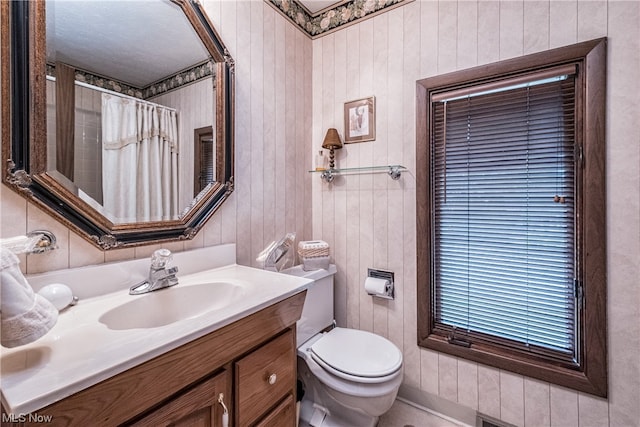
159	276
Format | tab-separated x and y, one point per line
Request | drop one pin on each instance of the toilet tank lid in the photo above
318	274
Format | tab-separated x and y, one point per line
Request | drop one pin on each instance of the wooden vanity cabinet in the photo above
251	361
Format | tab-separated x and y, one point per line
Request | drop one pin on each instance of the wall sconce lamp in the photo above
332	142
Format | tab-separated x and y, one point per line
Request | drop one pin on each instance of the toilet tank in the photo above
317	312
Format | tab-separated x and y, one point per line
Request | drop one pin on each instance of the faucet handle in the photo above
161	258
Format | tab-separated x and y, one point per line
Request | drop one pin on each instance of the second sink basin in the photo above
169	305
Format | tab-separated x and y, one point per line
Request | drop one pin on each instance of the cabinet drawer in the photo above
264	377
284	415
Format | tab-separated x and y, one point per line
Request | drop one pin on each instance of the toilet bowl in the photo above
350	388
349	377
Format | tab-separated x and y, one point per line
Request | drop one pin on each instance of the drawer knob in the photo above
272	379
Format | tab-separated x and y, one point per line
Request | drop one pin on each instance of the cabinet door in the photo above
197	407
264	377
282	416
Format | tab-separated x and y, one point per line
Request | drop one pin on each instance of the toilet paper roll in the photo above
375	286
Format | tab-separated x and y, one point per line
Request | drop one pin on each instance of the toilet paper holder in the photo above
385	275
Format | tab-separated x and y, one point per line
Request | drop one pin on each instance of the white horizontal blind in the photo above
503	267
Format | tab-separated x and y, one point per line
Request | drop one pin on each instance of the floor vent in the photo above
486	421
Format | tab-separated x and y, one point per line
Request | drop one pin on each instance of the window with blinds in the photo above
207	159
204	159
503	224
510	215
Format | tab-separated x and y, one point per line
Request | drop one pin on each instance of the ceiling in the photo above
314	7
133	42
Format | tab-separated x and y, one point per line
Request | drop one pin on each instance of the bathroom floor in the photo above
404	415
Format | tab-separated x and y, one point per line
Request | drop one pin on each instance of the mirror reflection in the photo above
129	89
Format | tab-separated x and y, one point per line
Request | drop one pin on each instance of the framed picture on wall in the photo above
360	120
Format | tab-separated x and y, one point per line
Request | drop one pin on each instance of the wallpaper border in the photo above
331	19
182	78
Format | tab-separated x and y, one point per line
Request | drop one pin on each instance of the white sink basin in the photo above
169	305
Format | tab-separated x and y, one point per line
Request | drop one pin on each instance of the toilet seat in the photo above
356	355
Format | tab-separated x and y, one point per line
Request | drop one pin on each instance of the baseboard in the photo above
438	406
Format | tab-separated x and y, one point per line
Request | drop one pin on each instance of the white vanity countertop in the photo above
81	351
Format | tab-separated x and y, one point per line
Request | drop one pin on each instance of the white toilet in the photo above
349	377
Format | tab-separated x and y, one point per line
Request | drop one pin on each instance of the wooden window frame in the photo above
591	374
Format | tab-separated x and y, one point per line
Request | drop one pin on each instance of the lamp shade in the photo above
332	139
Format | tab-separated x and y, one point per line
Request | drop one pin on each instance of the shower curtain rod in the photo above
112	92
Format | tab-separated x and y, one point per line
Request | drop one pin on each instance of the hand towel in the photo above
20	244
24	315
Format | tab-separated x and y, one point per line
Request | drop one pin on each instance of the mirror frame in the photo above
24	151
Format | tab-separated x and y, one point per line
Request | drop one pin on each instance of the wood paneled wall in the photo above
195	110
369	220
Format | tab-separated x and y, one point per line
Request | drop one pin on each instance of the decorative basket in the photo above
313	249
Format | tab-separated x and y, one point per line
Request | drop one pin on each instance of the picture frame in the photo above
360	120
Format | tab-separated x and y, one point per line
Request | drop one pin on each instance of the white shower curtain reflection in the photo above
140	160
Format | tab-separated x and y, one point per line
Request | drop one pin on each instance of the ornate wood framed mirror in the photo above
100	101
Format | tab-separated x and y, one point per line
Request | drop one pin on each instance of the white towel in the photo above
24	315
20	244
